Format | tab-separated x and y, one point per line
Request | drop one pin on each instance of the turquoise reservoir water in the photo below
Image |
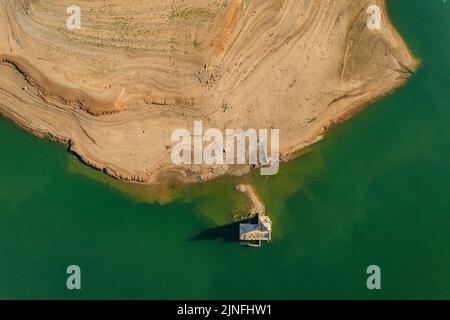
376	191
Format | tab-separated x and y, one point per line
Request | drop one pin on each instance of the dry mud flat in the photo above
115	90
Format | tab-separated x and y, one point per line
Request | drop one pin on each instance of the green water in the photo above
376	191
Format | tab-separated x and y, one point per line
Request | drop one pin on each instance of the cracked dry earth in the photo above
116	89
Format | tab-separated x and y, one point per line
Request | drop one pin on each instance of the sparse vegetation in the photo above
191	13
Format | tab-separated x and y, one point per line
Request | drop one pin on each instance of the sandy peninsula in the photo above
115	90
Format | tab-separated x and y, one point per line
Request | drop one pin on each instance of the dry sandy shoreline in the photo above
115	90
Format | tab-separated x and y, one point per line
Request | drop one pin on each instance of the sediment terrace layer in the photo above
116	89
